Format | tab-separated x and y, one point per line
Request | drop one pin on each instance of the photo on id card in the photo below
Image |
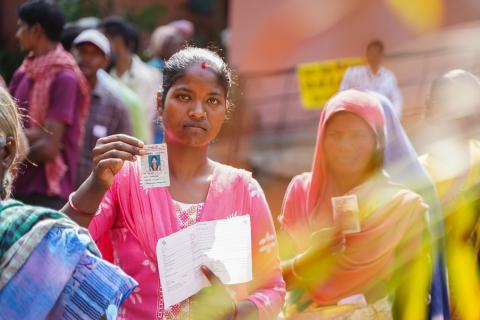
345	212
154	166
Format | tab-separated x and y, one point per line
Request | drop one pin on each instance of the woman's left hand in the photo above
213	302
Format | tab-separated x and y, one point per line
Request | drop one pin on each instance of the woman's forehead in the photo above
345	120
196	77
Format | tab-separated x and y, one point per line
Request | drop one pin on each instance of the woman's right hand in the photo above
109	155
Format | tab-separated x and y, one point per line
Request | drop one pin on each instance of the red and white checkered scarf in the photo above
42	70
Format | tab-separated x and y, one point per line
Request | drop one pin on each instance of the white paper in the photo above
224	246
154	166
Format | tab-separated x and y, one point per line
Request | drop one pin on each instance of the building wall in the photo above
270	37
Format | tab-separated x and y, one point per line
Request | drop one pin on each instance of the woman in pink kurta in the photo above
130	219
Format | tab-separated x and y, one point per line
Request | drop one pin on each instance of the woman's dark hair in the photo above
47	14
157	161
378	156
117	26
182	60
69	34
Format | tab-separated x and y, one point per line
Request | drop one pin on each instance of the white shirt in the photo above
384	82
145	81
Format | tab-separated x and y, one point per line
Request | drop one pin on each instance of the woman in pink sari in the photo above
361	269
129	219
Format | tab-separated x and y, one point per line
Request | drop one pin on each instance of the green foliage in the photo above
9	61
147	18
76	9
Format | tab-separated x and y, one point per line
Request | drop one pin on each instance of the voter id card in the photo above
345	213
154	166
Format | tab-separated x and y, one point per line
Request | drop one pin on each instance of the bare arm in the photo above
109	155
45	143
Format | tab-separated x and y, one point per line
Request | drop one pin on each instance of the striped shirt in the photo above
384	82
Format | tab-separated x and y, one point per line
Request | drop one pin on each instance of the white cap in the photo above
96	38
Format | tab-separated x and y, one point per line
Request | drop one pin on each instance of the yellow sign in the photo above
318	81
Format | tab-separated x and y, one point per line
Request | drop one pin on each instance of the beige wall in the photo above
270	37
272	34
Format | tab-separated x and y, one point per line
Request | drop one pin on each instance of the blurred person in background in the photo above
382	268
107	114
404	167
144	80
53	95
450	141
185	27
164	42
375	77
128	97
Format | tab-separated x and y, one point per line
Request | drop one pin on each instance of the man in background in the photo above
53	94
108	115
373	76
129	68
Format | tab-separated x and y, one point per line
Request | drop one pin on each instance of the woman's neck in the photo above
339	184
186	162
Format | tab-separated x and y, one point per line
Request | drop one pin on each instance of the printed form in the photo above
224	246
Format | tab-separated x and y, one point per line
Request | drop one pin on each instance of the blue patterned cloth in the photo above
34	290
62	280
94	287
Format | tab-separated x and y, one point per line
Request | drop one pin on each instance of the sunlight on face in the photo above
348	144
195	108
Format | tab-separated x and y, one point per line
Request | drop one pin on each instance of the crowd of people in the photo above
374	231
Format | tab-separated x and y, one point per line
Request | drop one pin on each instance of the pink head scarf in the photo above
357	102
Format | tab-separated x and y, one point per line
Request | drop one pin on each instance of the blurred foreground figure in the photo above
452	147
362	265
50	268
403	166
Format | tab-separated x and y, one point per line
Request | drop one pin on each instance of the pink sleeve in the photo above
294	217
106	214
267	287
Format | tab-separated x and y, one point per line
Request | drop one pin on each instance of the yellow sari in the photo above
460	200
